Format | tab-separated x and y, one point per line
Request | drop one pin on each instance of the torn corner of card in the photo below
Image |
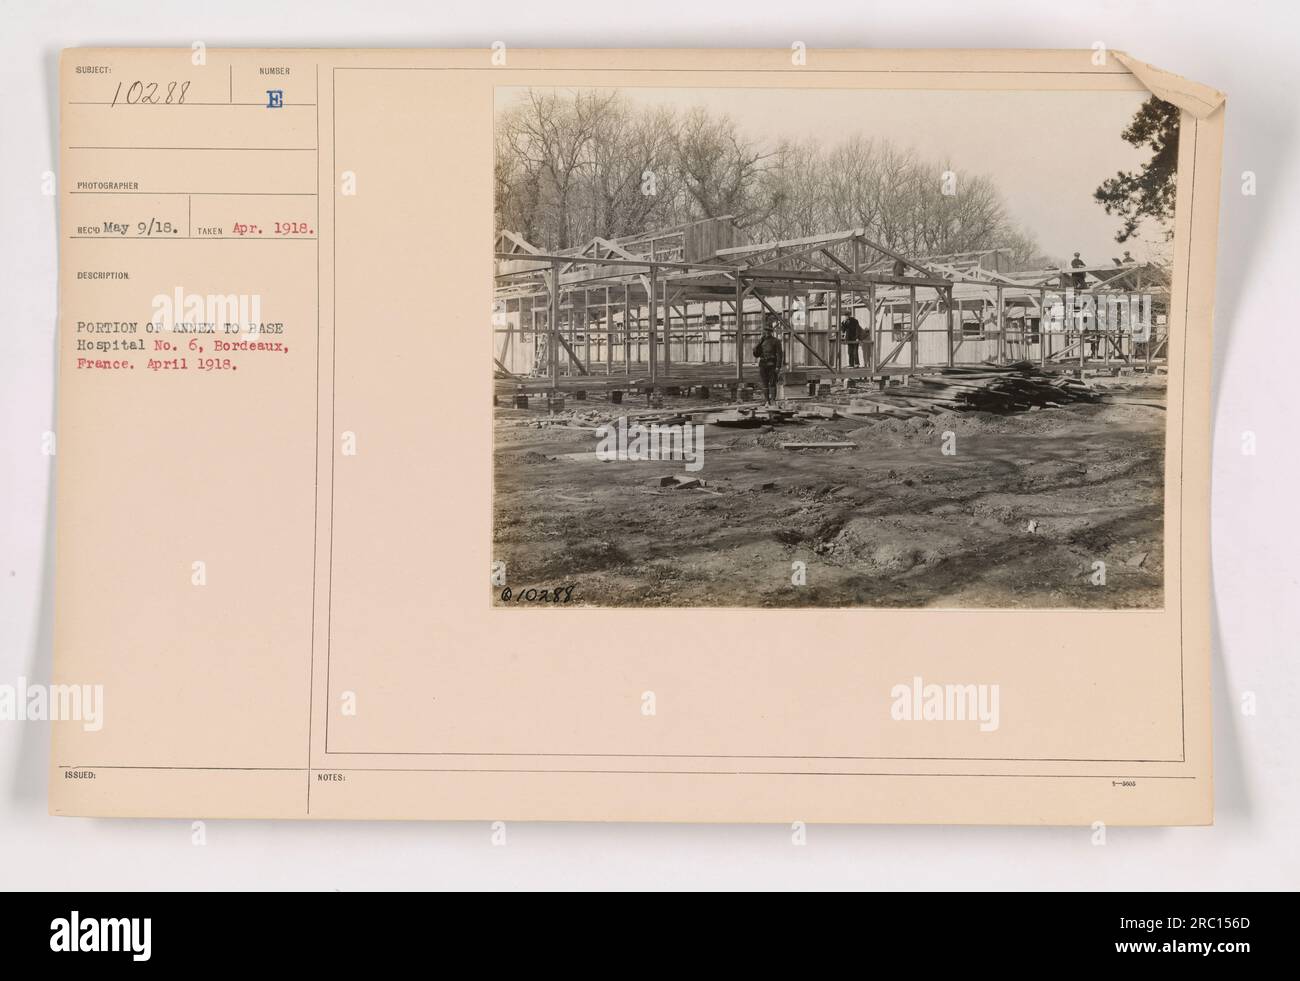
841	453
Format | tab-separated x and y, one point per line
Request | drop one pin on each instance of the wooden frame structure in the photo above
679	308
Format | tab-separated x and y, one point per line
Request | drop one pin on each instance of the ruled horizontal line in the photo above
751	756
273	149
186	105
762	69
685	773
239	194
197	238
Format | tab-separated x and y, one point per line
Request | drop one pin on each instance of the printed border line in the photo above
746	756
315	470
783	70
706	773
1182	442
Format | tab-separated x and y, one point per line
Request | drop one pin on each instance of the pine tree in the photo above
1150	192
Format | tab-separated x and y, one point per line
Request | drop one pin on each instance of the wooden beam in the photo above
577	362
793	333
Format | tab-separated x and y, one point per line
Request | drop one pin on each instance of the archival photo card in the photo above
842	455
832	348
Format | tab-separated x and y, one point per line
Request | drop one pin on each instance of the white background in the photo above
1247	49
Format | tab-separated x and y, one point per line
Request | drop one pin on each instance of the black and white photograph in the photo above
832	348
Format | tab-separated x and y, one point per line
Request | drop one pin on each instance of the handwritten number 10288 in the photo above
151	94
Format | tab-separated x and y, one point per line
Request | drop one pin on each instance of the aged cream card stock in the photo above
635	435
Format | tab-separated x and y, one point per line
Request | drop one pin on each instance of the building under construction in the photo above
680	309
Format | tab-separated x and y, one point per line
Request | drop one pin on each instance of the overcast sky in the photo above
1047	151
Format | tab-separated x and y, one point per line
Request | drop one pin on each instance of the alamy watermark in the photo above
23	702
102	934
1070	310
624	441
181	311
921	702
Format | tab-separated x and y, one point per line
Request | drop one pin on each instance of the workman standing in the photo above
851	331
771	359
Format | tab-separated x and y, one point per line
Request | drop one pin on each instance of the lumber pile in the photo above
748	418
993	388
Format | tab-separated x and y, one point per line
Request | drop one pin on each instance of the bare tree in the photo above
575	165
633	182
792	191
719	168
550	136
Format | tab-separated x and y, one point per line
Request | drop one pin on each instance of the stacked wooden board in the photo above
1007	388
1014	387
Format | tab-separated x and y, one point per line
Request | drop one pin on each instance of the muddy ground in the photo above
1017	517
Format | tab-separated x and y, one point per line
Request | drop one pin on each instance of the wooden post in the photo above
1042	328
961	328
1002	332
875	333
553	328
685	318
668	333
1078	323
532	324
684	309
586	328
788	303
569	331
834	325
1105	334
712	333
609	337
651	327
951	350
915	327
721	320
740	331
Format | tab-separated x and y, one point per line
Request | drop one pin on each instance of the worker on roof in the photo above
1079	279
1128	259
771	359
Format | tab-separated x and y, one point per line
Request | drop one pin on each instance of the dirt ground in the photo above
1017	517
